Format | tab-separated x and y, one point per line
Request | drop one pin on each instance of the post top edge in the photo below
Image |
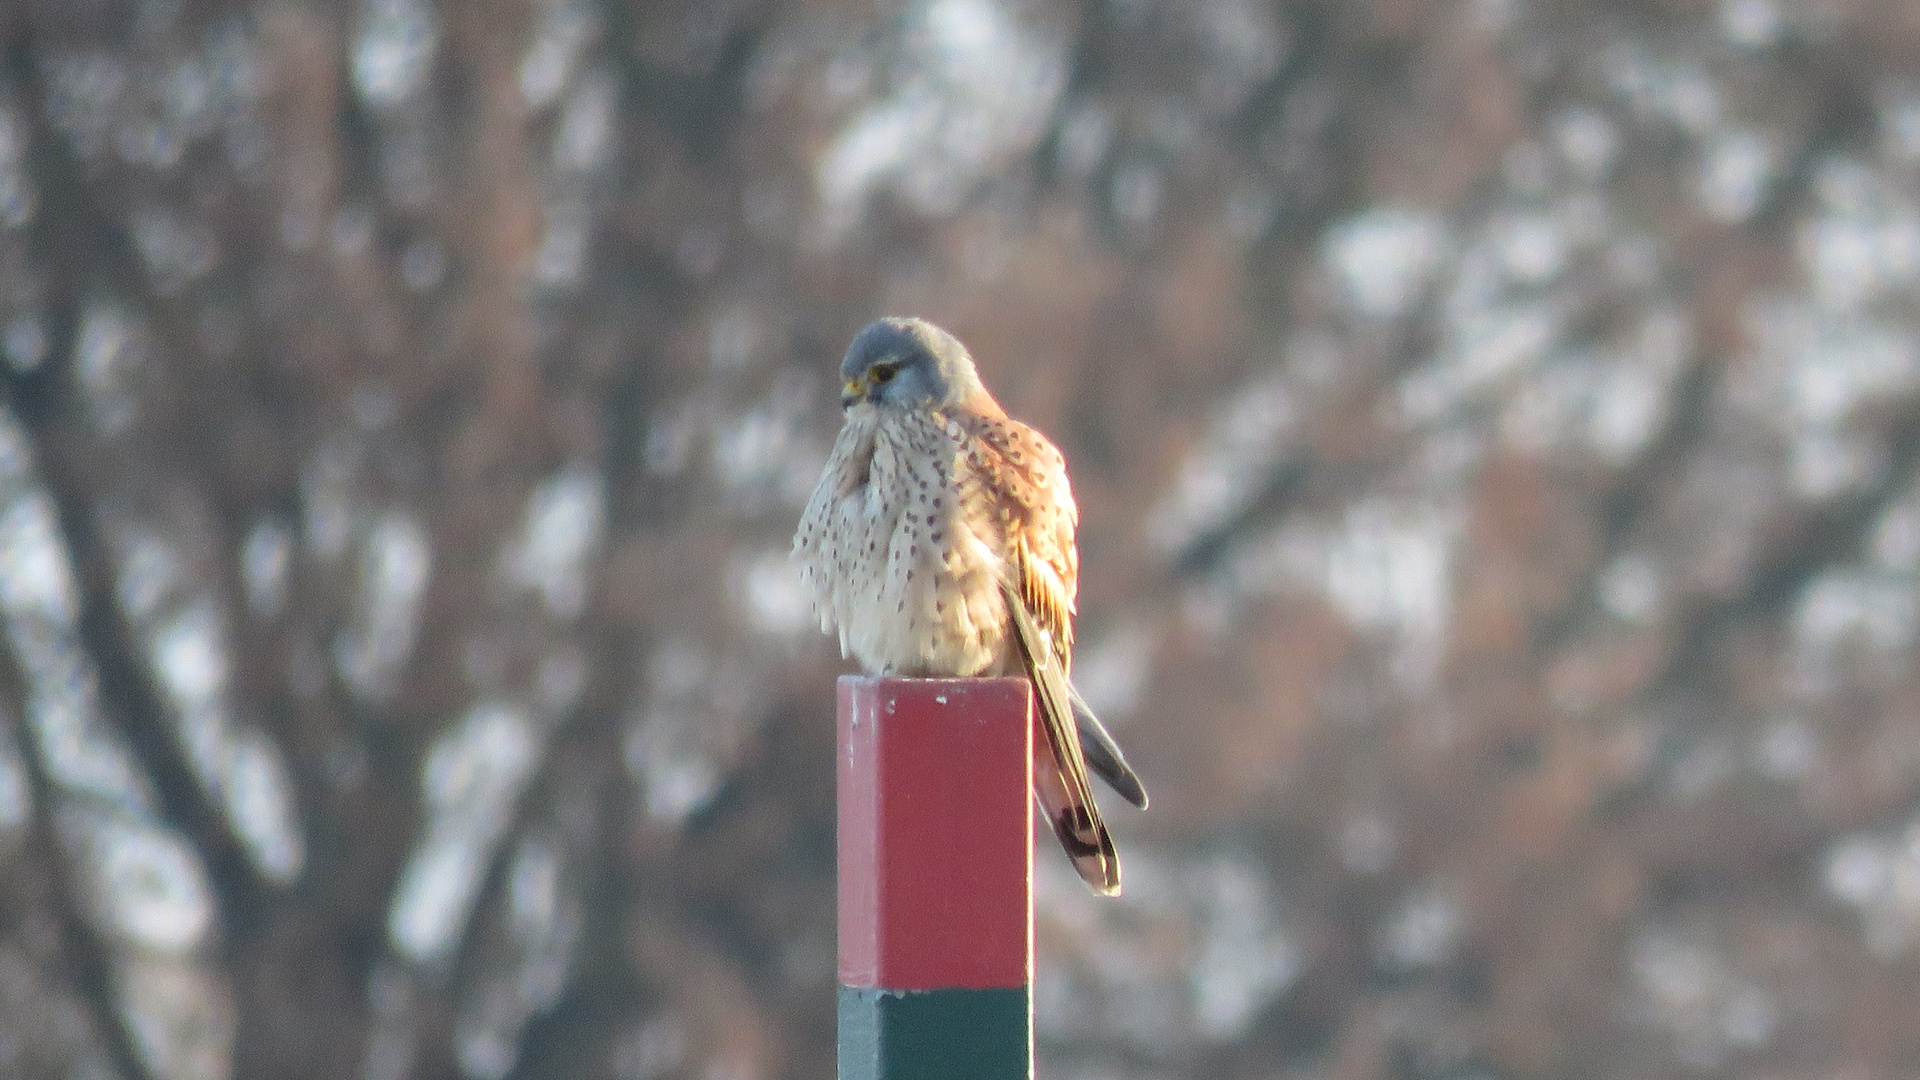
898	684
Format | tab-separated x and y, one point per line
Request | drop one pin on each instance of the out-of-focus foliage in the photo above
1495	422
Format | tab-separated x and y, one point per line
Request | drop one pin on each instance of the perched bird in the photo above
940	542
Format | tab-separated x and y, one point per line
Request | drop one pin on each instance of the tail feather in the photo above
1060	778
1103	754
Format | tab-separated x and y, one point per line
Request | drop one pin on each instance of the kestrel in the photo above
940	543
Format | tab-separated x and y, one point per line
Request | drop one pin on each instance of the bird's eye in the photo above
883	373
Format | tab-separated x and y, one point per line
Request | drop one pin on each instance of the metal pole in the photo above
936	885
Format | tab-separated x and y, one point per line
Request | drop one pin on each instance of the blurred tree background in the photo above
1495	423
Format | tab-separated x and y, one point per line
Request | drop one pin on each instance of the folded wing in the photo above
1060	775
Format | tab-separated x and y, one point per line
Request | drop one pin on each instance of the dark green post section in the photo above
936	1034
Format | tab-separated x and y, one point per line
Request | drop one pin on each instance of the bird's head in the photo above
907	363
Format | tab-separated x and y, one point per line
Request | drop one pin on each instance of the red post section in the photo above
936	898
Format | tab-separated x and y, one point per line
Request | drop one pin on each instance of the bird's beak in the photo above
853	391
